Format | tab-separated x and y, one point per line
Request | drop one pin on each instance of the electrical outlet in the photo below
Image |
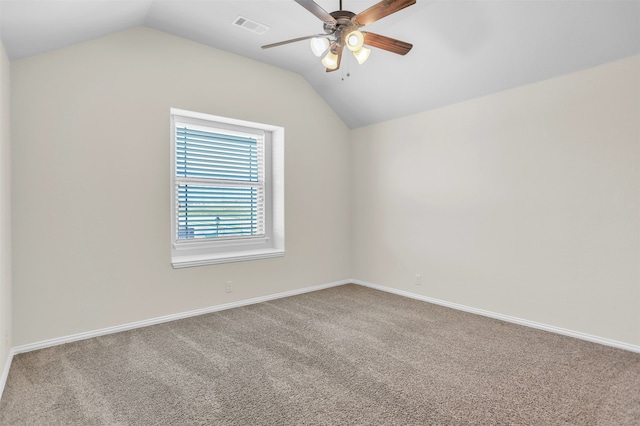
228	287
418	280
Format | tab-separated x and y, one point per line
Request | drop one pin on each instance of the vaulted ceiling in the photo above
462	49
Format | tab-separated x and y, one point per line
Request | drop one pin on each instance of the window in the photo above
227	190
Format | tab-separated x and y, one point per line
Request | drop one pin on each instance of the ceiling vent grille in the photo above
250	25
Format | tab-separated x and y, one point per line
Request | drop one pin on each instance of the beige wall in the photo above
91	181
523	203
5	210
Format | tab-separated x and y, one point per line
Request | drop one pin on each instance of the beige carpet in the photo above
343	356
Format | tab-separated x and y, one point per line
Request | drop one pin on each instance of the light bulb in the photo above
362	55
330	60
354	40
319	45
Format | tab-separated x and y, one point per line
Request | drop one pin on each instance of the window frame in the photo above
188	253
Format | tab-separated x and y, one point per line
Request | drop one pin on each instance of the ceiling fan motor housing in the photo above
342	26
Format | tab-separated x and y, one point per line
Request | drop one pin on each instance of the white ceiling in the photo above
462	49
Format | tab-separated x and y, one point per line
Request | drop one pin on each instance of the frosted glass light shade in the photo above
354	40
330	60
362	55
319	45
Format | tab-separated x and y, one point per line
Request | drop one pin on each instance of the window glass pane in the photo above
211	212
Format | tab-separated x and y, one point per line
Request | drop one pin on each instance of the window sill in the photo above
212	259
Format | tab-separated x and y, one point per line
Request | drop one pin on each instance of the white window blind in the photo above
220	184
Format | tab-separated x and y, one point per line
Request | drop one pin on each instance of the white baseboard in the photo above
506	318
172	317
138	324
5	372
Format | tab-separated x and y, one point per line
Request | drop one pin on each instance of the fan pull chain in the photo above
344	70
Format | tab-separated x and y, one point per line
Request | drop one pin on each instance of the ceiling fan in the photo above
342	29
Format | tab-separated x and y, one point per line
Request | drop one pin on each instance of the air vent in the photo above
250	25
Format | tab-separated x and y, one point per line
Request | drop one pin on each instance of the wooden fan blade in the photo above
339	53
315	8
293	40
386	43
380	10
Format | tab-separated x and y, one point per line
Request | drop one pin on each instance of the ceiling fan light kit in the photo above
319	45
342	29
330	61
354	40
362	55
